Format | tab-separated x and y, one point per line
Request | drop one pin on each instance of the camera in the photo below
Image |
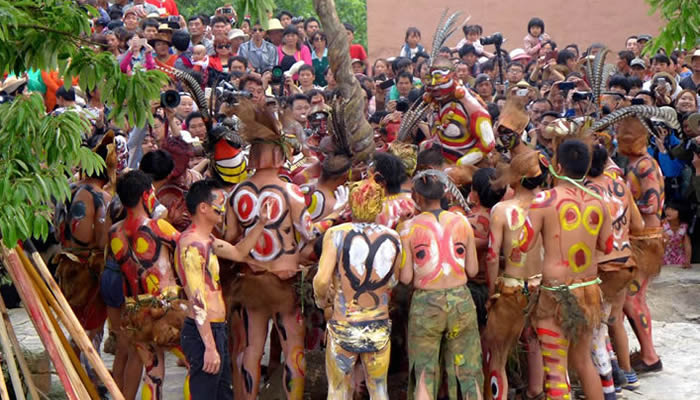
402	104
170	99
496	39
581	96
277	75
228	93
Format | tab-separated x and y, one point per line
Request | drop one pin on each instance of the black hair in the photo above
149	22
619	80
573	46
191	116
296	97
240	59
564	56
391	170
219	18
349	27
660	59
248	78
411	31
598	160
550	114
307	67
481	185
543	100
420	54
445	49
400	63
66	94
314	92
535	22
430	158
158	164
626	55
634	82
310	20
494	111
467	29
467	49
200	17
114	24
200	192
284	12
574	157
318	33
488	65
377	117
404	74
515	64
131	186
181	40
429	187
551	43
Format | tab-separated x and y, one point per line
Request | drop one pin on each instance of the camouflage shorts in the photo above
447	314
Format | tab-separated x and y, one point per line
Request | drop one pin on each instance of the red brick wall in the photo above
579	21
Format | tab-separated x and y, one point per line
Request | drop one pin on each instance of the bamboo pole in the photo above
47	296
73	326
23	366
9	356
4	394
39	319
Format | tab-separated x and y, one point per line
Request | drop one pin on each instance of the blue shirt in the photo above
670	167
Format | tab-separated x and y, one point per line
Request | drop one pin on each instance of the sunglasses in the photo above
258	30
318	39
223	46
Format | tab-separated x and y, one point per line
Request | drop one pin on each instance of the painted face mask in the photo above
441	82
507	137
229	162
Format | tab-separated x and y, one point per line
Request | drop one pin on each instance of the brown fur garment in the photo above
573	310
648	249
264	292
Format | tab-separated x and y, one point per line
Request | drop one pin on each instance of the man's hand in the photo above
212	360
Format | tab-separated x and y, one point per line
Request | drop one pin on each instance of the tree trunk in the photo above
360	132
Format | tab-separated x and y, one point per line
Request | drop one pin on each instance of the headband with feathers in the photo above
446	182
445	29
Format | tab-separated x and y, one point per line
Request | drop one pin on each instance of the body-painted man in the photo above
462	126
265	287
438	254
483	196
172	192
617	269
398	205
511	234
574	222
83	227
360	260
142	248
204	335
646	184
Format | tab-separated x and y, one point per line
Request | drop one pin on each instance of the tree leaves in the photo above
41	152
682	29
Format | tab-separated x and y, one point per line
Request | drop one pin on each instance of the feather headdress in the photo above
415	114
445	29
665	114
598	74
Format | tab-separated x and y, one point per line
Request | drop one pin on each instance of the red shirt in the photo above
357	51
169	5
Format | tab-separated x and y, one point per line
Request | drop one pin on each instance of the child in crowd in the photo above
536	36
678	248
200	59
472	34
411	44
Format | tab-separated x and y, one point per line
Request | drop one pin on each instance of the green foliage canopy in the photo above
41	151
682	29
353	11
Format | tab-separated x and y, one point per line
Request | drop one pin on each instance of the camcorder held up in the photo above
228	93
170	99
496	39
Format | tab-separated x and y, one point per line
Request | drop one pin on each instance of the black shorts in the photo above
204	386
112	285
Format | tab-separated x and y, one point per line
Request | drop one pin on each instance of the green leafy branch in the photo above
41	151
682	29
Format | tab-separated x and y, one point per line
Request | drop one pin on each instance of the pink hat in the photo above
518	54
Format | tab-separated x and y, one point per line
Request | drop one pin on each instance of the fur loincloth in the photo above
648	250
574	308
507	313
149	319
616	276
78	276
264	292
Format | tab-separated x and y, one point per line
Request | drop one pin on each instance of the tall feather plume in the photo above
447	182
666	114
445	29
411	118
596	76
193	87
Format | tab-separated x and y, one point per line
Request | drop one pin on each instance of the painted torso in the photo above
646	181
88	208
319	201
573	224
144	251
479	218
397	208
517	238
438	246
365	272
288	228
612	187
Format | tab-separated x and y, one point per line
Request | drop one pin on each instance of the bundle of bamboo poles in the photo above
46	306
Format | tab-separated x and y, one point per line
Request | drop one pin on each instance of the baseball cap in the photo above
638	62
644	37
481	78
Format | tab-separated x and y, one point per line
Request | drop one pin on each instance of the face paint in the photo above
229	162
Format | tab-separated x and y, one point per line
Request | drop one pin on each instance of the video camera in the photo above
228	93
496	39
170	99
